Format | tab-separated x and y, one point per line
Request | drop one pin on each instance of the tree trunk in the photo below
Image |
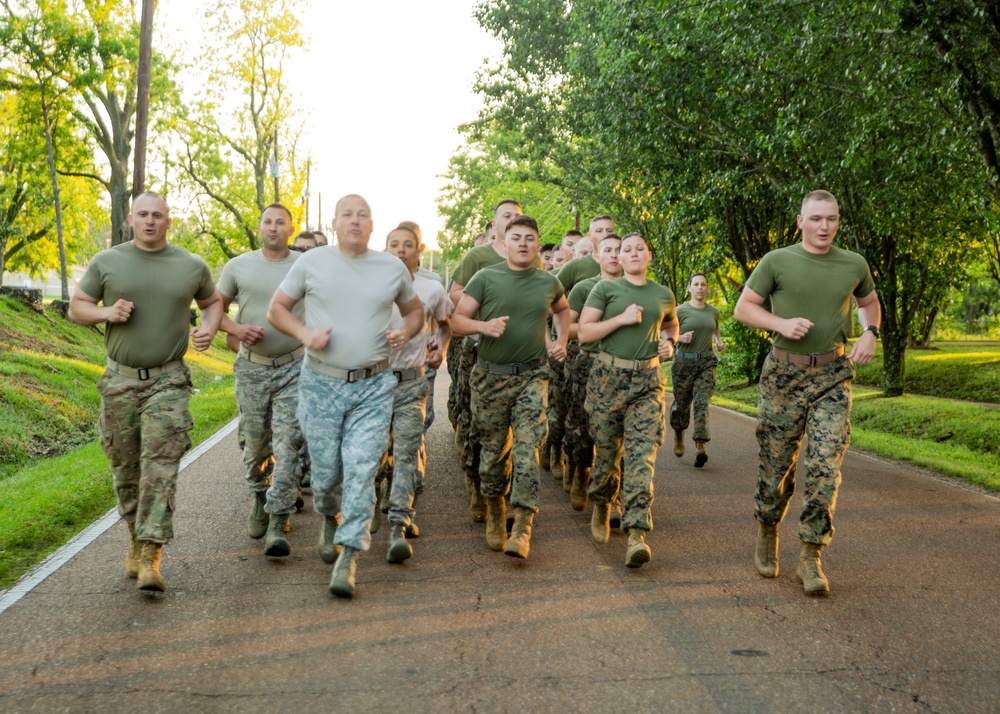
50	153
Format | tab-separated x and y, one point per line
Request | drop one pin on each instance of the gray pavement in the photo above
912	622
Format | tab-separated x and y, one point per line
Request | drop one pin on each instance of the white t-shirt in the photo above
437	306
354	296
251	279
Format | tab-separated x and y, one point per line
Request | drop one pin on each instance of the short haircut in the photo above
413	228
319	233
282	206
504	202
586	239
609	236
489	225
548	247
818	195
154	194
336	208
401	227
572	234
307	235
522	221
695	275
602	217
645	240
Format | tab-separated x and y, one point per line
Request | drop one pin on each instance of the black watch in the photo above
874	330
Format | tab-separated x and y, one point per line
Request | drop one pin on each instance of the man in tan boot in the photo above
146	286
509	305
805	386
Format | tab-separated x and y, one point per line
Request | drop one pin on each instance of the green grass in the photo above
950	370
906	428
54	478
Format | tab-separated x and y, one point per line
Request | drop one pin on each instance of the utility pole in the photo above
308	174
274	167
319	218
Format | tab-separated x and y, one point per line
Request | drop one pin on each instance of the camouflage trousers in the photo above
145	428
471	448
693	382
509	413
578	441
558	397
430	375
796	401
627	412
267	398
453	358
347	427
402	463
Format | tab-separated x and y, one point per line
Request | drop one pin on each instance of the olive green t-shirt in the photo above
703	320
576	270
577	299
612	298
161	285
815	286
482	256
251	280
523	295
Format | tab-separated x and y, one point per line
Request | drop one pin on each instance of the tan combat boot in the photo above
257	519
132	557
557	461
809	572
328	531
477	504
569	473
342	579
678	443
496	522
544	455
276	545
149	567
600	526
578	492
638	552
520	537
700	454
615	520
765	556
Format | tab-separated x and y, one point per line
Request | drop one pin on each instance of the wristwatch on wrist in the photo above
874	330
672	341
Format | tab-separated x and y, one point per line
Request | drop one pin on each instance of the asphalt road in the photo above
911	624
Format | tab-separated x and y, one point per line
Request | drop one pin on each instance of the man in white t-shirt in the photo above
267	379
403	466
345	389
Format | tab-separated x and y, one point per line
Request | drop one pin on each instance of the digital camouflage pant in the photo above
509	414
796	401
267	398
693	383
627	411
401	463
347	427
145	428
470	454
579	442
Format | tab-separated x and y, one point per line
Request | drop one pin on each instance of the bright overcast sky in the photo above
386	83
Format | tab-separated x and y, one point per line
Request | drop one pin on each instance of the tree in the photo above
229	134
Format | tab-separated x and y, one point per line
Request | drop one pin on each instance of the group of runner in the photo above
555	371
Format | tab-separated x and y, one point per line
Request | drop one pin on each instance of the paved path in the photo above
912	624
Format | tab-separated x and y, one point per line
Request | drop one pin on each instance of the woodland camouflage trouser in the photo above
693	382
470	439
579	442
145	428
558	397
627	412
453	359
268	398
347	427
797	401
509	411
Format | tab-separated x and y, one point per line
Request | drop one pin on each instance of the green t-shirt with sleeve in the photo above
525	297
576	270
640	341
577	299
161	285
482	256
704	321
816	286
251	280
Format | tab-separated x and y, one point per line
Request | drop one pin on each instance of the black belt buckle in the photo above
143	373
399	375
